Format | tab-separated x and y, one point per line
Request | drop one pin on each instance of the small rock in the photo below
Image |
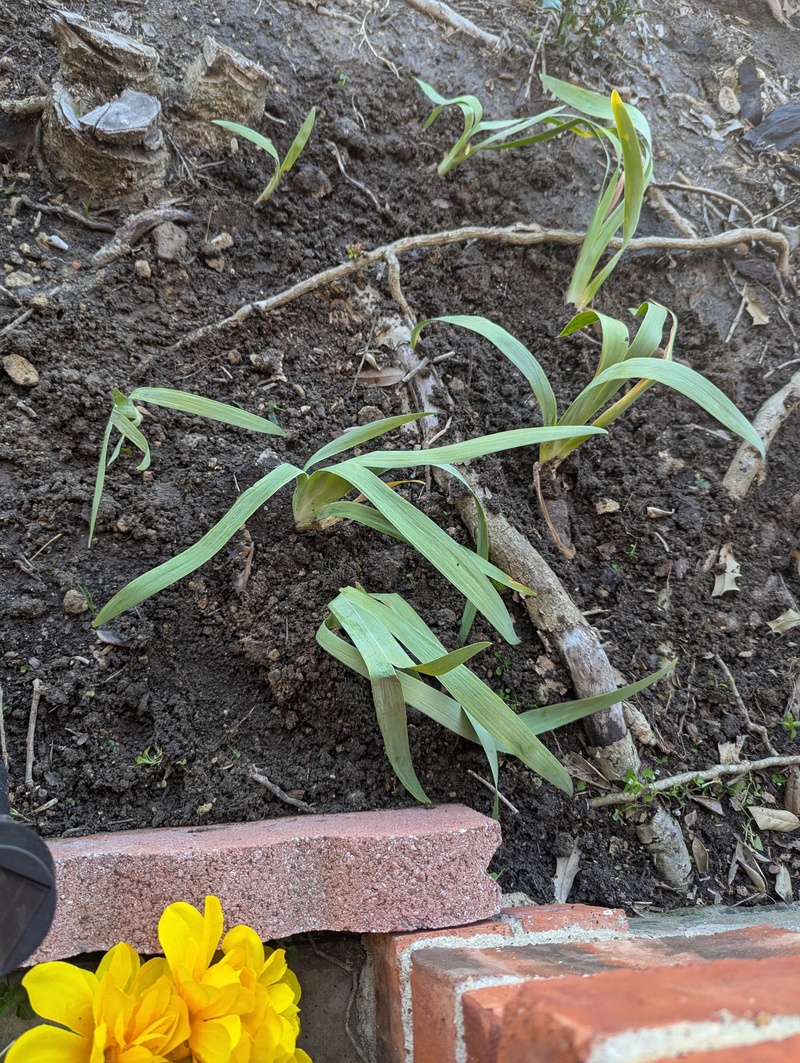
122	21
606	505
170	242
727	100
39	302
20	370
217	264
141	268
57	242
18	279
313	182
75	603
221	242
367	414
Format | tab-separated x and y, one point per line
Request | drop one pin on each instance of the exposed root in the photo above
444	13
520	235
686	778
747	464
753	728
132	231
274	789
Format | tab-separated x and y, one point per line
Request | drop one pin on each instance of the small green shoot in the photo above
580	25
393	647
261	141
149	758
790	725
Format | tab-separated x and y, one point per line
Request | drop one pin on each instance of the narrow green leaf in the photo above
299	141
592	103
250	134
378	651
635	182
128	430
439	665
516	352
202	407
150	583
99	480
354	437
689	383
313	494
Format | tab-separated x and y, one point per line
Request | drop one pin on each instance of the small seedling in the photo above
580	25
86	594
790	725
386	632
149	758
261	141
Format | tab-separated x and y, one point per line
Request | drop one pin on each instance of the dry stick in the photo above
747	463
712	193
132	231
708	775
276	790
3	746
519	235
753	728
493	788
444	13
72	215
551	610
658	200
37	693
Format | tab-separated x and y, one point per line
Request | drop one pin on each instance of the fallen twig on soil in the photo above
520	235
747	463
3	746
444	13
688	777
71	215
37	693
132	231
20	319
753	728
712	193
493	788
256	775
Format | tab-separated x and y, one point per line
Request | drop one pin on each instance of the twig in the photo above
754	728
678	186
493	788
686	777
3	746
72	215
37	693
276	790
519	235
747	463
19	320
444	13
134	229
737	319
351	180
663	205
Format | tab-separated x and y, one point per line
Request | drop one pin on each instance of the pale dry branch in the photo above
444	13
37	693
753	728
686	778
519	235
747	464
274	789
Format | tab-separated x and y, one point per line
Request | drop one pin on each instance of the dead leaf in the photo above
783	885
729	751
774	818
754	307
791	793
700	854
580	768
729	572
566	870
785	622
606	505
711	803
381	378
743	858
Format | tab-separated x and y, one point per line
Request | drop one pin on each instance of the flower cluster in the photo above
204	1002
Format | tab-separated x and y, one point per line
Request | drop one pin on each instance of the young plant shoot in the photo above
642	359
319	499
261	141
393	647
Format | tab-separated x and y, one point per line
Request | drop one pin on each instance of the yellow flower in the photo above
125	1013
213	994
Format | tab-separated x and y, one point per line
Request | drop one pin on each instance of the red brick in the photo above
545	918
368	872
766	1052
565	1019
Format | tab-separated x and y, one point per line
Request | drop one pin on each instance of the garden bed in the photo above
163	725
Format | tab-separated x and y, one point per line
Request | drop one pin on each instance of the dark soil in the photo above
206	681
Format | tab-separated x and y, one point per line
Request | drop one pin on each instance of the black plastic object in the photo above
27	887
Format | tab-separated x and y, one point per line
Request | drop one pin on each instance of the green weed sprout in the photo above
261	141
642	359
125	419
385	631
500	129
320	498
579	23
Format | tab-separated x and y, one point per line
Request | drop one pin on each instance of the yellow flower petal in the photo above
243	948
46	1044
213	1041
62	993
189	939
121	964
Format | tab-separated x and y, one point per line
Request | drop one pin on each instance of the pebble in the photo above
39	302
20	370
141	268
74	603
313	182
19	279
170	242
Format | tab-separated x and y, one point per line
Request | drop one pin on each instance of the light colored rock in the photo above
75	603
169	242
362	872
19	279
141	268
21	371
